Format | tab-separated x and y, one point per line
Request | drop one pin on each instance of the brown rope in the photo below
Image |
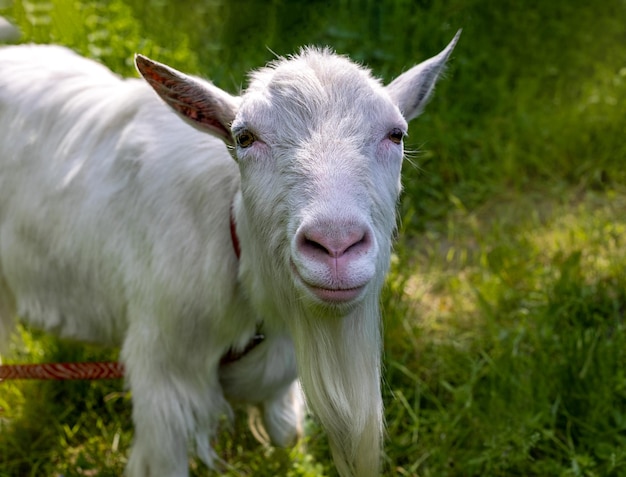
62	371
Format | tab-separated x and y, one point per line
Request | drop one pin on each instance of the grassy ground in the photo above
516	365
504	311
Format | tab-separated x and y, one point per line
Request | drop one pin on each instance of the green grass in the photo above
516	363
504	310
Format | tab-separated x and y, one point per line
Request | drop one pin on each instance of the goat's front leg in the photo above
174	404
283	415
266	377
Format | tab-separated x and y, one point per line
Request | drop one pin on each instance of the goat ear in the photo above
412	90
203	105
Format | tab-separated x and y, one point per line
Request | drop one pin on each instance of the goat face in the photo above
319	144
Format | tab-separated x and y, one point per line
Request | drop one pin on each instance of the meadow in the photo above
504	312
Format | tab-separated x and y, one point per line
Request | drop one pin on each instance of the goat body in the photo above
115	221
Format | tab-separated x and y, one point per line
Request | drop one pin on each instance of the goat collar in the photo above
233	355
233	234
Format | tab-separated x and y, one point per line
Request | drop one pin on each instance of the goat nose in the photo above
335	260
323	242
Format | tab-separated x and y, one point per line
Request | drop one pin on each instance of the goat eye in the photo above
245	139
396	135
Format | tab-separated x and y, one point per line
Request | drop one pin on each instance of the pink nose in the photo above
334	244
335	259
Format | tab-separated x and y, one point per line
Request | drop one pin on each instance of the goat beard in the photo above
339	368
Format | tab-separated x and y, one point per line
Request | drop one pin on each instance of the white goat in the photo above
115	227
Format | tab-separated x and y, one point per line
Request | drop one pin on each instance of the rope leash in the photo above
94	370
62	371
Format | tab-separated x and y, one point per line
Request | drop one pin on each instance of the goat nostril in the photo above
358	245
315	246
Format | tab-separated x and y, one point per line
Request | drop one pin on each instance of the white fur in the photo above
114	227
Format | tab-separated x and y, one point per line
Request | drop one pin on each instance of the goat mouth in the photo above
336	295
330	295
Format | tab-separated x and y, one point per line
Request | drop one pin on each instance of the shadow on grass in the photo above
531	380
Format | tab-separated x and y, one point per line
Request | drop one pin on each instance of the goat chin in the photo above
340	373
